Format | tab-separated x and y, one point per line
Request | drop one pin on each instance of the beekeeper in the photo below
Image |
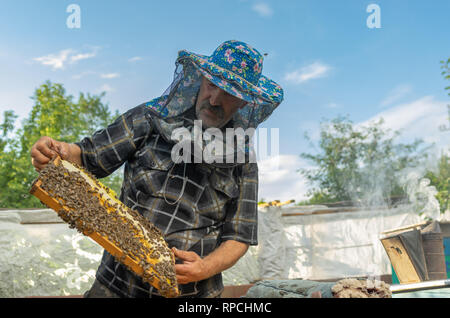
206	208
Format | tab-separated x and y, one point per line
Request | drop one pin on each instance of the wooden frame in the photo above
103	241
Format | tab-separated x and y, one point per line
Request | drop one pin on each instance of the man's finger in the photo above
62	151
185	255
45	149
34	165
38	167
181	279
181	269
38	159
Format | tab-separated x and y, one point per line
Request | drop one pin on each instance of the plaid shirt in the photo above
217	204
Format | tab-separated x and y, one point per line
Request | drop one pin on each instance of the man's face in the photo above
214	106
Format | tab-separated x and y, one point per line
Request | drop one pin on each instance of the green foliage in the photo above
54	114
446	72
318	197
441	181
6	128
359	164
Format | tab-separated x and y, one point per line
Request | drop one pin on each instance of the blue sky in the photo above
321	51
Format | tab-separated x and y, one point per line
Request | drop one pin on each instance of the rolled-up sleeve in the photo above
107	149
241	222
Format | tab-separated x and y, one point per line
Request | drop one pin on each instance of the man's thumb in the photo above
62	151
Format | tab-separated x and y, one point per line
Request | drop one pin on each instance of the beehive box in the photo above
94	210
416	252
408	269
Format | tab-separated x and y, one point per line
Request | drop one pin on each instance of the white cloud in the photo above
263	9
418	119
306	73
110	75
58	61
396	94
135	59
82	56
279	179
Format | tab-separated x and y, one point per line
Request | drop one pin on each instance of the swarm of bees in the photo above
90	207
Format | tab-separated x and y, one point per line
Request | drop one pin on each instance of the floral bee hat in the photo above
236	68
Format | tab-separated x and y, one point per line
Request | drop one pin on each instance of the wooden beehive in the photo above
416	252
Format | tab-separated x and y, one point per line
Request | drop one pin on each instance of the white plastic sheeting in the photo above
53	260
44	259
319	246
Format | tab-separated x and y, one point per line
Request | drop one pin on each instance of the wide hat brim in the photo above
267	89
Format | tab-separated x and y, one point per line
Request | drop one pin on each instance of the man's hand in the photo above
195	268
47	148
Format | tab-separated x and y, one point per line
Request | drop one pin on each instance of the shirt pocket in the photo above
222	180
155	158
153	167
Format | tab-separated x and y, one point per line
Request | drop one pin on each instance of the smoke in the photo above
421	195
372	188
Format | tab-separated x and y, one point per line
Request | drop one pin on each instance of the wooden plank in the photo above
404	228
402	264
323	211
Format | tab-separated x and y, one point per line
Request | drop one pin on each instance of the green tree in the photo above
6	128
53	114
359	164
440	179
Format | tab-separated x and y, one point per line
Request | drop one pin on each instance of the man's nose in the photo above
216	97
